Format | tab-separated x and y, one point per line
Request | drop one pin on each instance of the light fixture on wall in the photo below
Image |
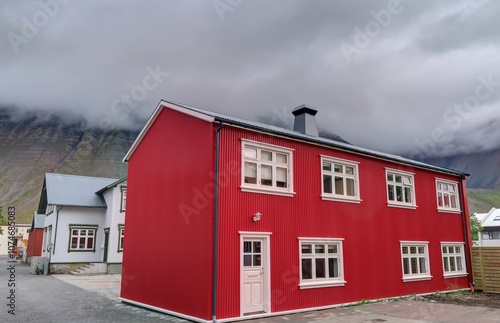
257	216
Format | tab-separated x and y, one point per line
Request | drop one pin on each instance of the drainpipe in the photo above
216	226
468	265
55	238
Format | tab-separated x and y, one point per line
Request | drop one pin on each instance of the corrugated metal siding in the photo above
167	257
372	231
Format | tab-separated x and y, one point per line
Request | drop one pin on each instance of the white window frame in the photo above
259	188
443	192
446	259
415	276
411	176
121	235
80	227
321	282
123	198
355	177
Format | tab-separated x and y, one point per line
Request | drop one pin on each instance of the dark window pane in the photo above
423	269
327	184
406	267
319	248
452	264
414	265
74	243
333	268
247	247
339	185
306	248
90	243
446	267
306	268
399	193
256	246
390	189
320	268
256	260
247	260
407	195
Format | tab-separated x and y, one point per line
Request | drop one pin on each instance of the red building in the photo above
35	237
251	220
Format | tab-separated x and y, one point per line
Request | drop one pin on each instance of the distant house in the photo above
19	241
258	220
490	236
84	222
35	237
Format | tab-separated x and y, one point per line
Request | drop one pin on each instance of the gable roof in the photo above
114	184
73	190
488	219
281	132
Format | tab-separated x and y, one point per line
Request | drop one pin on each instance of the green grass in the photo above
482	200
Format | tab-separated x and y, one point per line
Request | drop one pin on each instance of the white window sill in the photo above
340	199
455	211
453	275
403	206
322	284
266	191
416	278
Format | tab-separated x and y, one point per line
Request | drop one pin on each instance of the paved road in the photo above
67	298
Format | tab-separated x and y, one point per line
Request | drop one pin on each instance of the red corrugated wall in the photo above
167	260
372	231
35	239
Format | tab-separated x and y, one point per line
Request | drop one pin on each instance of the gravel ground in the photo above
467	298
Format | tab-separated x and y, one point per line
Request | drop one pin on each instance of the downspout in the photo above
55	238
468	265
216	226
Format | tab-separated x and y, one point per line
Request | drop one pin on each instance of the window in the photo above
453	259
266	169
121	233
415	261
400	188
490	235
339	179
82	238
123	201
321	263
447	196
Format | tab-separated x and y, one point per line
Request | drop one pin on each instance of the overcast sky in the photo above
406	77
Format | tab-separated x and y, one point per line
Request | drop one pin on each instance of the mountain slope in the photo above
30	147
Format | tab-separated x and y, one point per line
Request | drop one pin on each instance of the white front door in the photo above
253	271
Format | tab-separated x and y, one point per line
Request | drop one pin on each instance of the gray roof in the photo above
39	220
72	190
317	140
118	182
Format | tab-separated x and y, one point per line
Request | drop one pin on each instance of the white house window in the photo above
453	259
121	234
490	235
321	263
415	261
339	179
447	196
266	168
123	201
400	188
82	238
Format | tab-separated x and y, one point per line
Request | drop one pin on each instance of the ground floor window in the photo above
415	261
82	237
453	259
321	262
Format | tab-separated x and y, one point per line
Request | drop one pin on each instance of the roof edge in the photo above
161	105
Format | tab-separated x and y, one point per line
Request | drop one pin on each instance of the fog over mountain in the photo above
418	78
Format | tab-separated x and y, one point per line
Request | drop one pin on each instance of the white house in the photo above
490	236
84	222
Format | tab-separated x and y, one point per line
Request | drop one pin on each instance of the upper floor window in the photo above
453	259
321	262
266	168
121	234
82	237
123	200
447	196
415	261
339	179
400	188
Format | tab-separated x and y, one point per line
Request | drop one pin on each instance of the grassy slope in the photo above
481	200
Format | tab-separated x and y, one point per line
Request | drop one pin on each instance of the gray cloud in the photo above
393	93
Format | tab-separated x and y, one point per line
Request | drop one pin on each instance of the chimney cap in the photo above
304	108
